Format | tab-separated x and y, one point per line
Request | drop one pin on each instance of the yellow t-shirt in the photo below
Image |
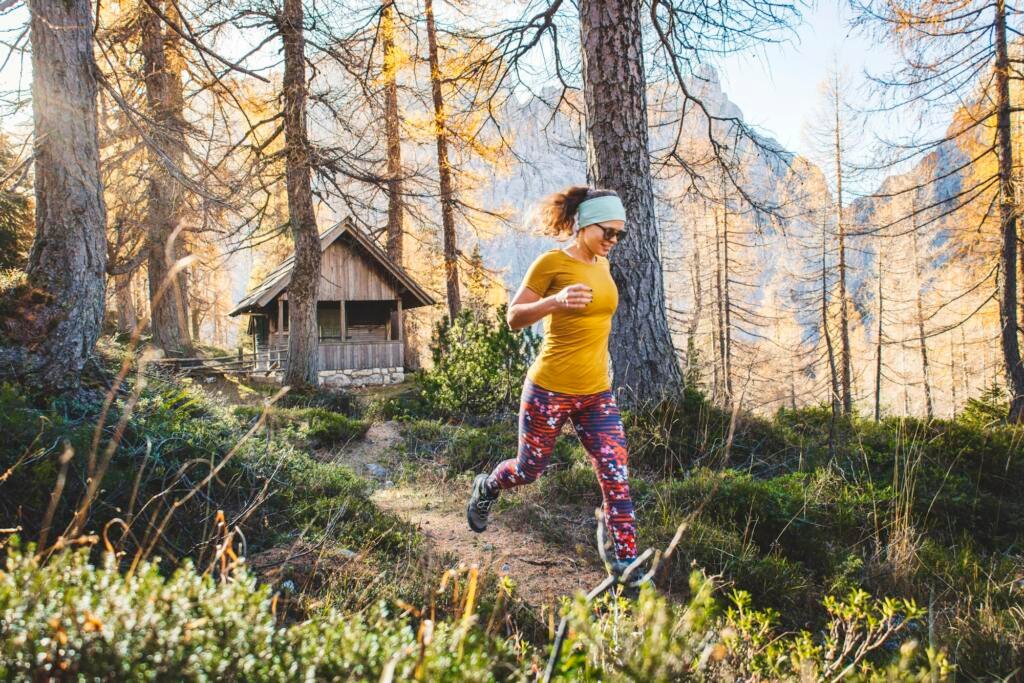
574	355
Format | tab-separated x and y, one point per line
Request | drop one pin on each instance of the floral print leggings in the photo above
599	427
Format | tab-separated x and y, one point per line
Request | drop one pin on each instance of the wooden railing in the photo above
335	355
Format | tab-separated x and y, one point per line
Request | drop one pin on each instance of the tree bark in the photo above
124	300
396	208
68	259
643	358
833	374
727	301
878	345
165	196
1007	287
451	252
922	339
391	124
691	377
720	334
303	337
844	319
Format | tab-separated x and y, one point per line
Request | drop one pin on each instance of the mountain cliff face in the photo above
551	145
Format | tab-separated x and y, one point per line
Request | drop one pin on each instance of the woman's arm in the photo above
528	307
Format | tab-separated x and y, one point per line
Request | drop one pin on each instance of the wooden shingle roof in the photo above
278	279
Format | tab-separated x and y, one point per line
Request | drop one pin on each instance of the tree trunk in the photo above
1008	225
727	302
720	299
643	358
303	336
922	339
165	201
692	375
833	374
844	319
124	300
878	346
444	170
68	258
391	123
396	208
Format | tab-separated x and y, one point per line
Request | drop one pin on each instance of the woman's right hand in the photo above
574	297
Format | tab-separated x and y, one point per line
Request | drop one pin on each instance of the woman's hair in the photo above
556	213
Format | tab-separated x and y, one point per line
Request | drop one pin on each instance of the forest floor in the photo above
541	572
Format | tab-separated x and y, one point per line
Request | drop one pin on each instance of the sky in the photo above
777	85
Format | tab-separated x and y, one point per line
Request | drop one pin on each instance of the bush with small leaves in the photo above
479	365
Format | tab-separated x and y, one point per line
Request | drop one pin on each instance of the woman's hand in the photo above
528	307
574	297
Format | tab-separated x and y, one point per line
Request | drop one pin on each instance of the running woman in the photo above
573	291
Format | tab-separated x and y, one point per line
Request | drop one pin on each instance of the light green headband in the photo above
599	209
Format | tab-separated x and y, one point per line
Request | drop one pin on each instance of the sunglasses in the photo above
612	233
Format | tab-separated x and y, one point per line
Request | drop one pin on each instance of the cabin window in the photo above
368	320
328	319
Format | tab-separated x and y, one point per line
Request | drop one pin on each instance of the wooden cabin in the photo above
361	300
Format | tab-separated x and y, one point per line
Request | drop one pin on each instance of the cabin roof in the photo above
278	279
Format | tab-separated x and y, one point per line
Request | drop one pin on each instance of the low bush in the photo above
479	364
67	619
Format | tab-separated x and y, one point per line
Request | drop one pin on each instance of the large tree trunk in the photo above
391	124
451	252
68	258
165	200
396	208
644	361
303	336
1008	225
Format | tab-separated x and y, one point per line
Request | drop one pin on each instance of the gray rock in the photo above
376	470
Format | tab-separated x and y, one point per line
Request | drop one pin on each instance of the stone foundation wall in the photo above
361	378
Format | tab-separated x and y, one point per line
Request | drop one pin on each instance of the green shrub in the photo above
659	640
68	620
988	410
479	365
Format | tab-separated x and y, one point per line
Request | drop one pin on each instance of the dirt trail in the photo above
542	573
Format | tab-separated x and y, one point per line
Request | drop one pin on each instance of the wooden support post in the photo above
399	301
280	316
343	322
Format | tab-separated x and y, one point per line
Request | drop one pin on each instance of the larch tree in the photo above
55	330
451	249
392	123
831	134
165	200
303	351
953	54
